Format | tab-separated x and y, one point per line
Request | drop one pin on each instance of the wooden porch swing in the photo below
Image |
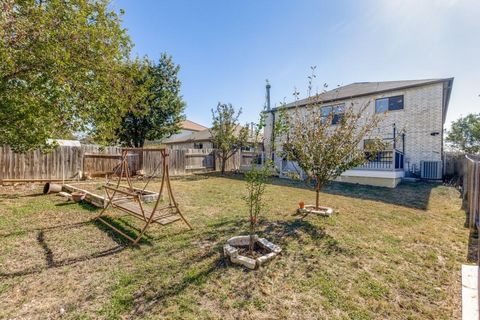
130	200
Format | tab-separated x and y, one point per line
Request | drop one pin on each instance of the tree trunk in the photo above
223	167
224	157
317	190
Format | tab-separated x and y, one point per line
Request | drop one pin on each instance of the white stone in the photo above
230	251
240	241
264	243
265	258
244	261
324	211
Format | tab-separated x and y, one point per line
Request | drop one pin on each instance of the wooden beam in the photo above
95	199
32	180
144	149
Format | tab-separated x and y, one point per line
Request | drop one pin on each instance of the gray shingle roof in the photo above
364	88
203	135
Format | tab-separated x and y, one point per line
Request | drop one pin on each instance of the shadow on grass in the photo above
473	243
60	226
414	195
196	272
226	227
123	226
19	195
50	261
303	232
407	194
119	223
4	197
145	300
193	177
83	204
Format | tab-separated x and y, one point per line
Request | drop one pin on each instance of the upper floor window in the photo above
248	148
198	145
389	104
335	112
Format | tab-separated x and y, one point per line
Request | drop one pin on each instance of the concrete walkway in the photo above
470	292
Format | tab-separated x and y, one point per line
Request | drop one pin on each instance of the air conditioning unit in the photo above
431	170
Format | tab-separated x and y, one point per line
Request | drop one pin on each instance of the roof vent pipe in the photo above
268	95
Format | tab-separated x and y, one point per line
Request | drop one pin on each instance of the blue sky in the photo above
227	49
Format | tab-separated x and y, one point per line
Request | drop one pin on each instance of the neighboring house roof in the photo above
203	135
192	126
199	136
65	143
359	89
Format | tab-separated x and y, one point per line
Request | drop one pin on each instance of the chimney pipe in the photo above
268	95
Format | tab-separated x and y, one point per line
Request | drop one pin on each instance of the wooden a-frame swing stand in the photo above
130	200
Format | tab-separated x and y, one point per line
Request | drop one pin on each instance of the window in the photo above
389	104
248	148
198	145
337	110
326	111
338	113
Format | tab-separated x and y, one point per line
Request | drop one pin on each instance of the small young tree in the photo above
256	179
323	150
157	105
227	135
465	134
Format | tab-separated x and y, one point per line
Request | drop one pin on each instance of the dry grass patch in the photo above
386	254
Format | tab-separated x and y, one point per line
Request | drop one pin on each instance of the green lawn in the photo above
385	253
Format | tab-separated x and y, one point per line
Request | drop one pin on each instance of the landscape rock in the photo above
241	241
245	261
266	258
264	243
230	251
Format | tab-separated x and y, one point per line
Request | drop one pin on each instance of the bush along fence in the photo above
90	161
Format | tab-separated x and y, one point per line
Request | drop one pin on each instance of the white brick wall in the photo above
421	116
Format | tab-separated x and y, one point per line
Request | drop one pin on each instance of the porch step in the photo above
470	292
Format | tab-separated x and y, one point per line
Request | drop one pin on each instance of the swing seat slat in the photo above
168	220
134	209
133	194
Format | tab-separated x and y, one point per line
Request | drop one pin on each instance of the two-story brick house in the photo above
413	118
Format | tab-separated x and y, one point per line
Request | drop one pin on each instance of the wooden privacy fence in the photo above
471	184
62	163
66	162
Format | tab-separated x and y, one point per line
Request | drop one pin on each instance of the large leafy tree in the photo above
157	106
322	150
227	134
464	134
62	71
